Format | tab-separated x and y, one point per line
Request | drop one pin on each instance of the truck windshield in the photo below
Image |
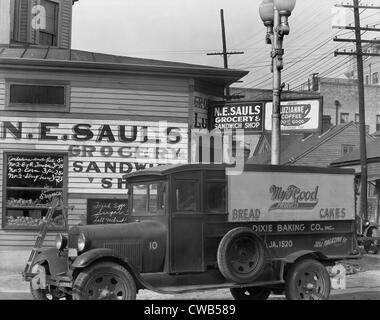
148	198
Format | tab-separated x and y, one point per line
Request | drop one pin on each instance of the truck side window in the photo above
186	199
157	193
140	198
216	196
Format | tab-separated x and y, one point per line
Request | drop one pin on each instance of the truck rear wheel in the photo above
104	281
241	255
253	293
307	280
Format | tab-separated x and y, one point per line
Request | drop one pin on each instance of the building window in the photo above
357	118
344	118
375	78
31	183
46	96
347	149
367	79
24	19
48	36
378	123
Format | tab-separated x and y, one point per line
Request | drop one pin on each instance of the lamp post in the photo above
275	14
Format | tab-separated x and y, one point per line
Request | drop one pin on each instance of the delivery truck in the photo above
270	229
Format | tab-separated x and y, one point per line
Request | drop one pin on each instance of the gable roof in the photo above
286	140
352	158
302	146
94	61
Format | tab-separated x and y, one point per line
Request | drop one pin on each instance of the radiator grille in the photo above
132	251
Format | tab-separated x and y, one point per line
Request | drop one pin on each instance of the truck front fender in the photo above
89	257
56	260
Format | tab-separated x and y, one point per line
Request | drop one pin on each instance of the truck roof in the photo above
164	170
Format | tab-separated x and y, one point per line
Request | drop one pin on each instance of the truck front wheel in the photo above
104	281
253	293
307	280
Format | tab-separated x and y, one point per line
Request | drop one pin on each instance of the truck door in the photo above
186	236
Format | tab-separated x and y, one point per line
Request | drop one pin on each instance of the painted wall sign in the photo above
290	196
302	115
100	152
247	116
107	211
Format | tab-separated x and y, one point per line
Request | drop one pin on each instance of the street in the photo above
364	285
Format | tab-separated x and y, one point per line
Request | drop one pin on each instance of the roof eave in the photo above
225	76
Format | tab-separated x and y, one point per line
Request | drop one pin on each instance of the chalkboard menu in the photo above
35	171
32	181
107	211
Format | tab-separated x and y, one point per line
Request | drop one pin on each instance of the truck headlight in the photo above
82	242
60	241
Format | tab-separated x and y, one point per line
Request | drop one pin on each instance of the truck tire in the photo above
307	280
253	293
372	247
104	280
241	255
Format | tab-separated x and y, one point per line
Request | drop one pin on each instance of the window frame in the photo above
33	36
57	26
357	117
344	114
375	78
64	188
197	184
206	200
65	108
147	212
378	122
347	146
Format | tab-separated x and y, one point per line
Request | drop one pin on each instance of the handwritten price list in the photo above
35	171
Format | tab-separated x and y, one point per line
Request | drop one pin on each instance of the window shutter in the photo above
21	19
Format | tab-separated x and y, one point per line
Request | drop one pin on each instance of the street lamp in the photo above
275	15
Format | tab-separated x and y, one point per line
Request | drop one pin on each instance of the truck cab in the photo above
194	227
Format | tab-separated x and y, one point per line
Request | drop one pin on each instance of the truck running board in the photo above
227	285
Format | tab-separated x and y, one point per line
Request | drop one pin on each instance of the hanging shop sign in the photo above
100	152
296	115
247	116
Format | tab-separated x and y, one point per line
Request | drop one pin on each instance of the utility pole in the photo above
359	56
225	53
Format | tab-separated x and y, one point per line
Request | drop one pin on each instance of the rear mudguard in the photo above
298	254
56	260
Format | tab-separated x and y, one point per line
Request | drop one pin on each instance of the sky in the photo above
186	30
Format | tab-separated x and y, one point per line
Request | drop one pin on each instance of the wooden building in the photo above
74	122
